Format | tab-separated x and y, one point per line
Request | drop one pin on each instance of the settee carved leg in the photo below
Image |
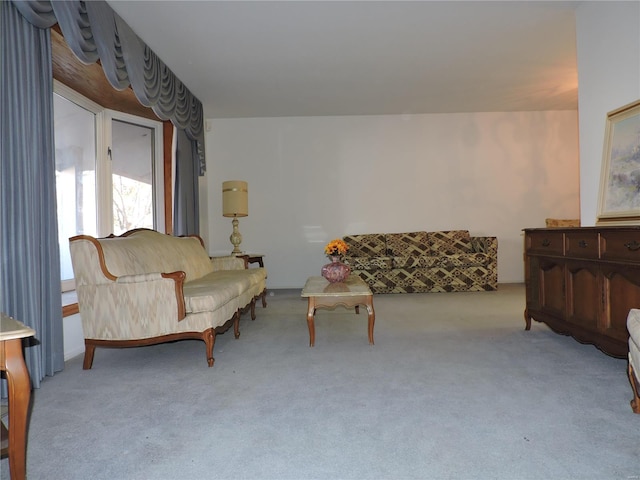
89	351
210	340
236	324
527	319
635	402
264	298
253	309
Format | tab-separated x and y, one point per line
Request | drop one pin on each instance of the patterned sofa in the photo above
145	287
442	261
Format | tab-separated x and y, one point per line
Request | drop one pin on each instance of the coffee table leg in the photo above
310	313
372	320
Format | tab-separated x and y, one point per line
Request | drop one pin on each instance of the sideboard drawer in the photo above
623	245
581	244
546	242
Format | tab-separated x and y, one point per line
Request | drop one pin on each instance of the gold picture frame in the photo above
619	199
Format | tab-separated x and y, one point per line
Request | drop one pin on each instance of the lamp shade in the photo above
235	198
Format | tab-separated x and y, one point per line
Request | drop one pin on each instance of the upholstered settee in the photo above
440	261
633	325
145	287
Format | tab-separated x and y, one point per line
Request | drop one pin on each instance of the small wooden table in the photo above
353	292
251	258
19	388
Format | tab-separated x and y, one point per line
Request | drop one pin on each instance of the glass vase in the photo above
336	271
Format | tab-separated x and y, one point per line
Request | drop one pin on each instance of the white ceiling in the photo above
308	58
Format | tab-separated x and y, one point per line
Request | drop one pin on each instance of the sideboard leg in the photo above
527	319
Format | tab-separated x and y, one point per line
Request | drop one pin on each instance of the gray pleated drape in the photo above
30	275
94	32
186	220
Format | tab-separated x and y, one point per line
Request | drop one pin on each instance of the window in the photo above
109	175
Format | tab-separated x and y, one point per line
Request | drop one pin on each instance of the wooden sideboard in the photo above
583	282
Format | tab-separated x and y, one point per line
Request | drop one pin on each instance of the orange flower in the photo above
336	247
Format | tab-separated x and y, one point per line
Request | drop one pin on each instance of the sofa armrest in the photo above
135	295
230	262
488	245
177	277
132	307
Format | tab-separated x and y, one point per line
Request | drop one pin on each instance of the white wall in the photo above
312	179
608	43
72	336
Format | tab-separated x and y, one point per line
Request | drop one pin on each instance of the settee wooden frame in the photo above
633	379
208	336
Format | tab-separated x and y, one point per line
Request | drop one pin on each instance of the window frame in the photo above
158	165
103	143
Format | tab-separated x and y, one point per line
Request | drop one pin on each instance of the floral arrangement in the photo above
336	248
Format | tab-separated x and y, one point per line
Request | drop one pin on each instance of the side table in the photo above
251	258
254	258
19	388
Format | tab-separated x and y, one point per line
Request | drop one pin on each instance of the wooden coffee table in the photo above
353	292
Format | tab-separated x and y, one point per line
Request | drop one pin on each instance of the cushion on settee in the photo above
147	251
208	293
418	261
368	263
450	242
366	245
464	260
409	244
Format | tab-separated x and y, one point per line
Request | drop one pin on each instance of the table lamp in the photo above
235	203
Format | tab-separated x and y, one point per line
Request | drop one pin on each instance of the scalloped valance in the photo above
95	32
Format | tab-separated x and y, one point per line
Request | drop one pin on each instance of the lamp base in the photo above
235	238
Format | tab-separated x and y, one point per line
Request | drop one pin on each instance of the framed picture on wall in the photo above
619	201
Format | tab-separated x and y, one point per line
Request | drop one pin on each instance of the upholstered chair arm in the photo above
230	262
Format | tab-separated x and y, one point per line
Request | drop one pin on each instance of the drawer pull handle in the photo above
546	242
633	246
582	244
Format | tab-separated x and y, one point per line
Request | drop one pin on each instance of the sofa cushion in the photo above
368	263
366	245
418	261
450	242
408	244
148	251
464	260
208	293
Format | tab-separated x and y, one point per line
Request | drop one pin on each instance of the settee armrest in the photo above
488	245
229	262
133	307
177	277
